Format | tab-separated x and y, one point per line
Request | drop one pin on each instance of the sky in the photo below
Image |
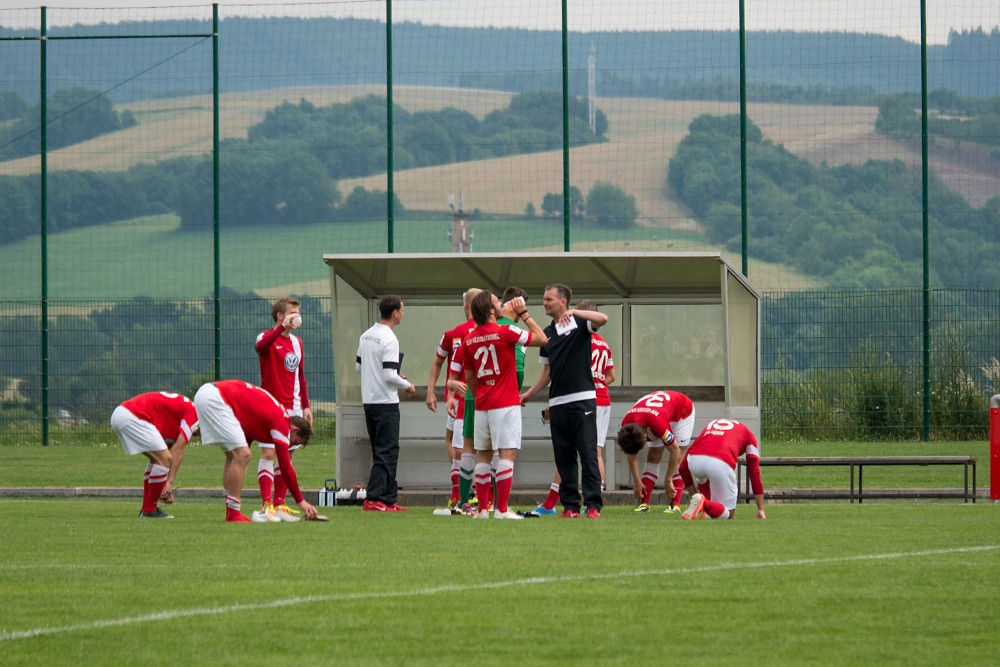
889	17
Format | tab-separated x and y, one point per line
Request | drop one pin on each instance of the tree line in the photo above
855	226
959	117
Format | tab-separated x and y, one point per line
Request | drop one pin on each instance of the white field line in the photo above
346	597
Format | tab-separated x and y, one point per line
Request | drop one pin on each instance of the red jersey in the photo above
171	414
726	440
281	368
489	351
656	411
600	362
450	342
260	415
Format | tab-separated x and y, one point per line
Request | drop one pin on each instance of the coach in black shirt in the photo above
572	398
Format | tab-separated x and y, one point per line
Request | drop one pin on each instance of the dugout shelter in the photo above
678	320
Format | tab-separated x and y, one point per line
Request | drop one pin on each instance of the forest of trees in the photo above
75	115
606	205
855	226
952	116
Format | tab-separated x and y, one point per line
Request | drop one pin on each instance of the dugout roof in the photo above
594	274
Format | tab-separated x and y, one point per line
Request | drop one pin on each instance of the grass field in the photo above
107	465
86	583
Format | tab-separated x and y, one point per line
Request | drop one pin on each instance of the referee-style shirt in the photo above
378	362
568	357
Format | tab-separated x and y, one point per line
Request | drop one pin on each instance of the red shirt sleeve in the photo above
287	471
753	467
267	340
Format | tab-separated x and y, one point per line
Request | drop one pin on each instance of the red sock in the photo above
157	480
145	485
265	479
483	484
280	490
553	498
455	465
649	477
491	492
505	479
678	489
714	509
233	509
705	490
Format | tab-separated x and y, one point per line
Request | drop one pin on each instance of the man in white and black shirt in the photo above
572	398
378	362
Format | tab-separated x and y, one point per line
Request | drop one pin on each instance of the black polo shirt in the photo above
568	357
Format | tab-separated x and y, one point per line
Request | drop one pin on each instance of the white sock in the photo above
495	464
266	467
456	464
724	515
505	469
149	468
468	462
233	503
555	487
158	474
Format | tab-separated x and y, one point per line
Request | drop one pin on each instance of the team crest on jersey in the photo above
291	362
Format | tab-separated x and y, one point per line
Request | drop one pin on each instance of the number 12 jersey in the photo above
490	351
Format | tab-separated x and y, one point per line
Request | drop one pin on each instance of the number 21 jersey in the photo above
489	351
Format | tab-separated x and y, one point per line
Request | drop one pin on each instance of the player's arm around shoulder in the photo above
538	337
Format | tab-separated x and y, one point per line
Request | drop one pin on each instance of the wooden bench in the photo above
860	462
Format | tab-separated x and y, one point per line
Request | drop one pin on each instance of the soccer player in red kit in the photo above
232	414
450	341
152	424
488	356
665	420
711	465
602	367
281	374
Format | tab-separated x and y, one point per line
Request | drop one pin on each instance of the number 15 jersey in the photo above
490	351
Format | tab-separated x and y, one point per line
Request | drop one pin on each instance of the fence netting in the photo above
834	183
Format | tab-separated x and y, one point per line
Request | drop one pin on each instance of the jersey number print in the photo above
655	400
483	355
599	362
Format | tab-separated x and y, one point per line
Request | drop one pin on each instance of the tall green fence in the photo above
194	162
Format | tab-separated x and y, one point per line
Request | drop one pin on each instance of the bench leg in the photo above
973	483
852	483
966	500
861	484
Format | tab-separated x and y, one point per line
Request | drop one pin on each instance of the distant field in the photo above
85	582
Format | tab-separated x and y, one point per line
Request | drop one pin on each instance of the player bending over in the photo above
602	367
488	357
282	375
664	420
711	466
450	341
233	414
152	424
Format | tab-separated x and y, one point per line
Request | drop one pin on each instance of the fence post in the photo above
924	162
388	117
565	100
743	133
215	186
995	448
43	210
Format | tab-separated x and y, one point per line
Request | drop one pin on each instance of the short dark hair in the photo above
632	438
281	306
587	304
389	305
481	306
513	292
564	291
305	429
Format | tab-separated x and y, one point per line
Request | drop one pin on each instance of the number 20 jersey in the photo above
490	352
655	411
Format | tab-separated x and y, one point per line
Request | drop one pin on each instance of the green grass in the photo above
106	464
152	257
76	562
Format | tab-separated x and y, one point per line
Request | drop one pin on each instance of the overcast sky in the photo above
890	17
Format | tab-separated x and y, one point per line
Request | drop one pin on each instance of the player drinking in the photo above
233	414
152	424
450	341
603	369
711	465
281	374
487	356
664	420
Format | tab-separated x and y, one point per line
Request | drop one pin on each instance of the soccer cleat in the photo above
396	508
265	515
474	502
593	514
672	509
643	507
452	503
485	514
237	517
374	506
287	514
155	514
697	508
569	514
509	514
467	510
541	511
